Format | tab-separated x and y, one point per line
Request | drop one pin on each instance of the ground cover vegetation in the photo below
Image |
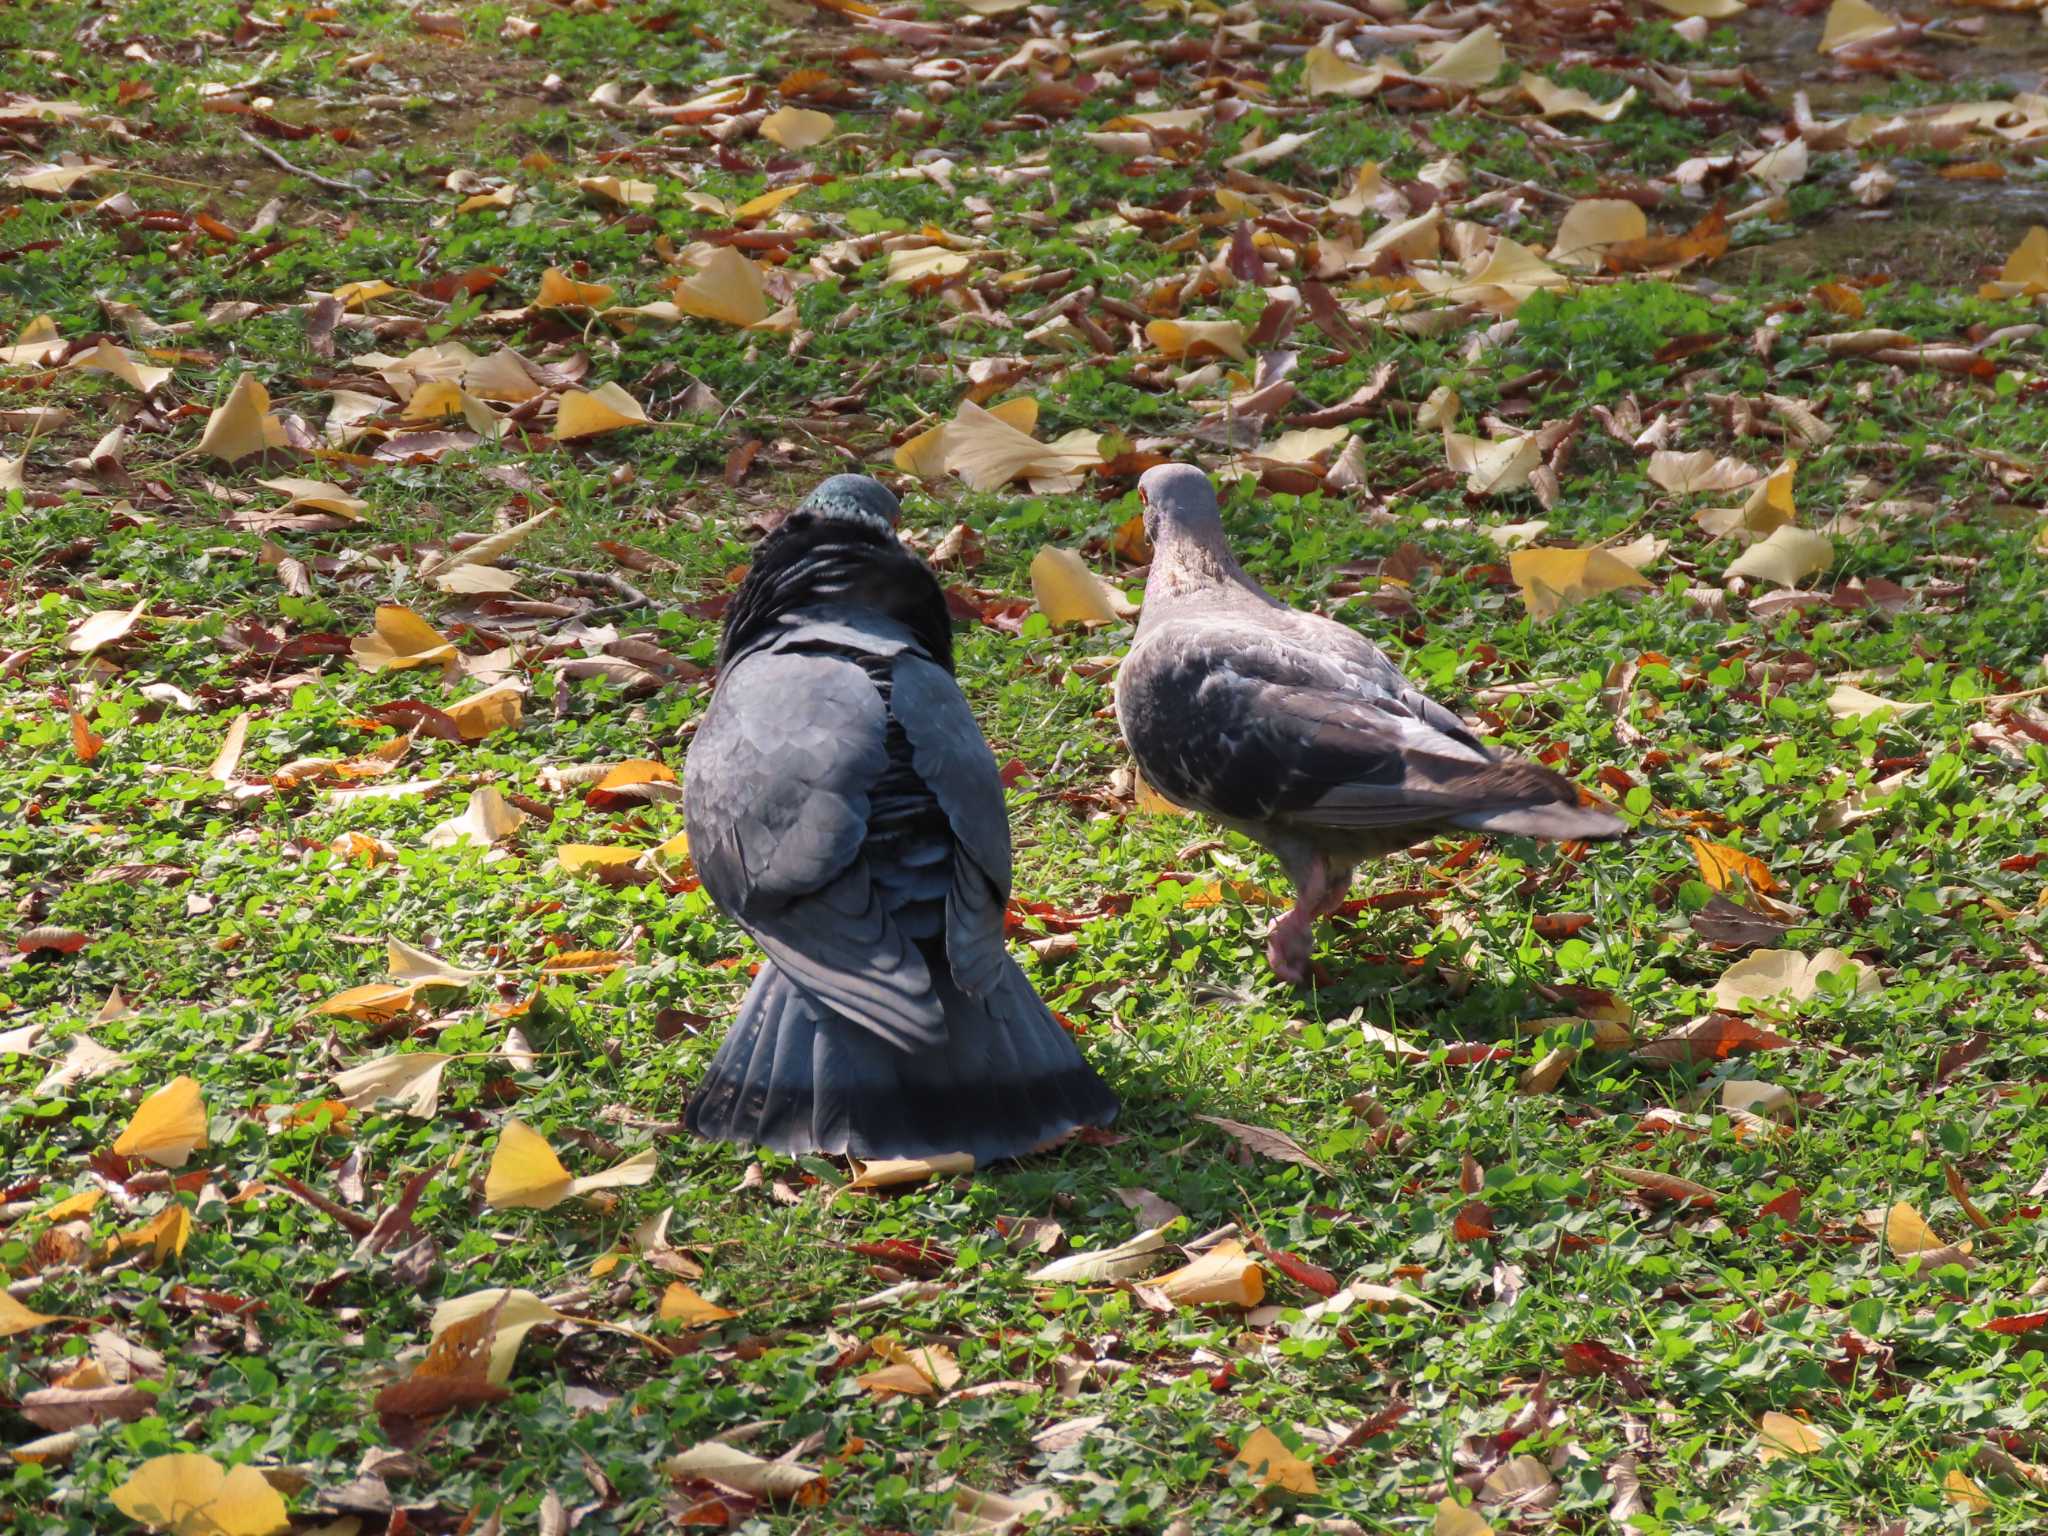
392	396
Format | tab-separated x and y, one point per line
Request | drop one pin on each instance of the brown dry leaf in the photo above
168	1126
456	1371
624	191
1272	1465
86	743
1668	1186
1267	1143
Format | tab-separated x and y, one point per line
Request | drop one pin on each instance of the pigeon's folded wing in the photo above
779	782
953	759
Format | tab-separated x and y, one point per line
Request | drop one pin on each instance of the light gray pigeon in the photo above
1297	731
845	810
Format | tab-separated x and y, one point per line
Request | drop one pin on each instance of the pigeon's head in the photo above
853	499
1178	498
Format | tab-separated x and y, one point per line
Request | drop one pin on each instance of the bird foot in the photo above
1288	947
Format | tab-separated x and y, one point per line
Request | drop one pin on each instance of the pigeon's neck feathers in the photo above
1192	563
837	571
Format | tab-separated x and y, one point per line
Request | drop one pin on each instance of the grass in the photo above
225	915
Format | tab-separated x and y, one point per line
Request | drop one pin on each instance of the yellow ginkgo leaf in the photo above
495	709
488	818
1266	1456
402	639
372	1003
1593	224
1329	73
1190	339
1848	702
797	127
680	1304
192	1495
558	290
164	1235
1472	61
927	263
587	412
1224	1276
168	1125
525	1174
38	344
1493	467
760	207
1780	1436
1906	1232
579	857
726	288
1768	973
1067	592
1683	474
242	424
504	375
1712	10
1965	1492
625	192
317	494
1455	1519
2025	272
16	1318
49	180
1786	558
123	365
887	1172
1770	506
362	295
421	967
519	1312
987	451
1554	100
1552	580
411	1079
1854	22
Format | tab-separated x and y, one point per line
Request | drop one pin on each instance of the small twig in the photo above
317	179
629	595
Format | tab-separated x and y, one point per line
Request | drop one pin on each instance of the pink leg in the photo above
1319	892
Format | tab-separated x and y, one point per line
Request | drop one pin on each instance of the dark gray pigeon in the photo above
1297	731
844	809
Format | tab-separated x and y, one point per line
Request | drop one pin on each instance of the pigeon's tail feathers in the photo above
795	1077
1558	823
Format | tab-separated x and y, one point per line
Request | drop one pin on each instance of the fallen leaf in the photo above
727	1466
525	1174
1852	23
1552	580
1455	1519
797	127
242	425
1847	702
1770	973
1781	1436
1272	1465
1122	1262
412	1079
168	1125
1267	1143
680	1304
1786	558
1225	1275
400	640
726	288
1493	467
1593	225
888	1172
192	1495
98	630
494	709
1067	592
488	818
588	412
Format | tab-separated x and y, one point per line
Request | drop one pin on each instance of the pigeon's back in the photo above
846	811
